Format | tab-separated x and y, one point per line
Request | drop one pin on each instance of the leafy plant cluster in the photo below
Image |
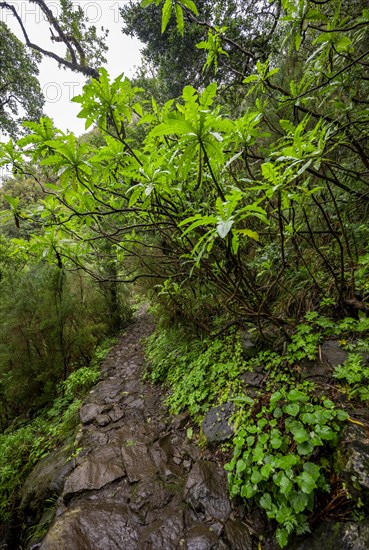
198	372
275	459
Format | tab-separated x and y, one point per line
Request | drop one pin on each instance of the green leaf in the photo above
292	409
266	470
306	482
13	201
276	442
287	461
251	78
312	469
248	491
248	233
166	14
275	397
282	481
342	44
342	415
240	466
305	448
297	395
256	476
179	18
282	536
299	501
266	501
189	4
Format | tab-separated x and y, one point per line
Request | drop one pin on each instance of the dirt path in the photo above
137	482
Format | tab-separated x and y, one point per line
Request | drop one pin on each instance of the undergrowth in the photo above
23	446
286	428
199	372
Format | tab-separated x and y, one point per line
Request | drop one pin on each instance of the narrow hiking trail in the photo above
137	482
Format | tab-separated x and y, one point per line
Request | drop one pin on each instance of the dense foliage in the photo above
19	87
243	200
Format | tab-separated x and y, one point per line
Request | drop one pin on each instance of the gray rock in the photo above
333	353
46	479
335	536
238	535
216	424
200	537
206	490
95	471
102	420
93	526
90	411
116	413
163	534
254	379
353	460
137	462
312	370
248	342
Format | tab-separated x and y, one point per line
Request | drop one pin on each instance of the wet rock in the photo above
102	420
206	490
180	421
89	411
248	342
96	470
132	486
151	494
200	537
332	353
138	462
138	404
216	424
162	461
237	535
310	370
335	536
90	438
254	379
106	391
163	534
116	414
93	526
46	479
353	460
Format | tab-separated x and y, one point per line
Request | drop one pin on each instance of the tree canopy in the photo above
20	92
242	31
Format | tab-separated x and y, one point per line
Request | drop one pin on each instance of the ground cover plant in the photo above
287	429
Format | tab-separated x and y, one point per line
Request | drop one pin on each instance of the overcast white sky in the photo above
60	85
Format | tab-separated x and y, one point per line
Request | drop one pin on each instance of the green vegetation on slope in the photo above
286	428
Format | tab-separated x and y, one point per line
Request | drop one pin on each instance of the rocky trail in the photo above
137	482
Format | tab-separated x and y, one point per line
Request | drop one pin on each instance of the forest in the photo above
226	184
